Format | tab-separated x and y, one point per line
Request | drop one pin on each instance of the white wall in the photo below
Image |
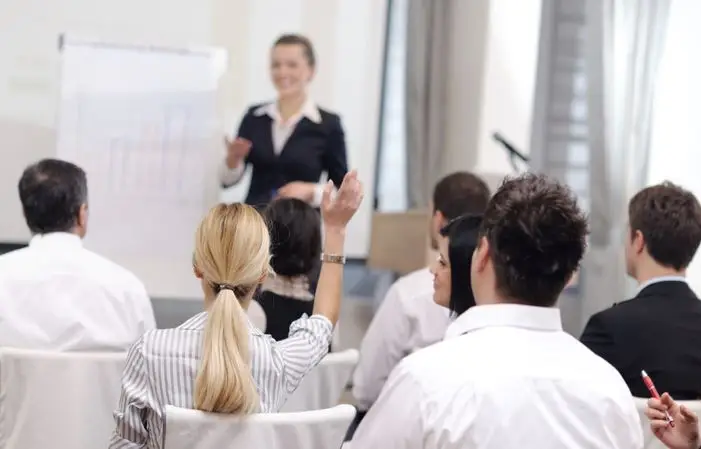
676	141
348	35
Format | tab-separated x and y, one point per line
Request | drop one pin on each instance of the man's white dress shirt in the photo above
281	132
57	295
407	320
510	378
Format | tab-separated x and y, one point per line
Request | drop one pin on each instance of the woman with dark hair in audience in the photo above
451	271
295	233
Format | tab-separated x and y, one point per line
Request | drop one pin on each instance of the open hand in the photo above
236	151
684	434
337	211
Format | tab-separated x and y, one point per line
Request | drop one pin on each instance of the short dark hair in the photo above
460	193
295	233
537	236
303	41
669	218
52	192
463	235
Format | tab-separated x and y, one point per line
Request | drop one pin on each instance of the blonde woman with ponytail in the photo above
217	361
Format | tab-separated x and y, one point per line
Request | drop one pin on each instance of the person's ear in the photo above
197	272
438	221
481	255
83	216
638	242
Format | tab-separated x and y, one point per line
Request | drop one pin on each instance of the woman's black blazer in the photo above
311	149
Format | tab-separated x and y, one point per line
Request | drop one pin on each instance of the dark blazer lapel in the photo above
266	124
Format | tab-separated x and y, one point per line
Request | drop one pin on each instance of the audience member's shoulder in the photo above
108	270
616	310
416	283
428	364
11	259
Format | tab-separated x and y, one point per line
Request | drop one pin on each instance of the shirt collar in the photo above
649	282
63	239
505	315
309	110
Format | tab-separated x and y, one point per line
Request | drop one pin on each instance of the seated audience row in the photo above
507	375
495	355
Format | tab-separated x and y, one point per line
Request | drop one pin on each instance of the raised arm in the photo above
336	213
310	338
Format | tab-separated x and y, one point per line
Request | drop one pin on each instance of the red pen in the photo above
653	392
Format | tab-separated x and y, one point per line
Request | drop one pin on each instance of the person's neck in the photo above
289	106
648	273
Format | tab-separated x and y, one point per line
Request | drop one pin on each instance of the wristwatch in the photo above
333	258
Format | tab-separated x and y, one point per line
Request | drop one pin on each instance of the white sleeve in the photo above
229	177
385	344
395	421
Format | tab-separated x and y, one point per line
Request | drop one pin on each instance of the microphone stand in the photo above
512	151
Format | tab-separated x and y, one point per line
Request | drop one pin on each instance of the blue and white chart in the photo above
142	122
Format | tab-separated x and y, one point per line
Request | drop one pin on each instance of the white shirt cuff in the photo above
231	176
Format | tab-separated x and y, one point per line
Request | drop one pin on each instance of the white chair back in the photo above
323	386
649	439
319	429
58	400
257	316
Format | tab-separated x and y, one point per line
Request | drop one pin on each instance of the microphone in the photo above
513	152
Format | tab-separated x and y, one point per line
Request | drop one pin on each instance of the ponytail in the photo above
224	382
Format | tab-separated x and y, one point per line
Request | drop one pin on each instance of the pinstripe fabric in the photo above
161	369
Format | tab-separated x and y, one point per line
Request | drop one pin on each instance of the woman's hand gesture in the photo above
338	209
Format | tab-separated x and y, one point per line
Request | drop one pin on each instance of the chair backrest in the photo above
257	315
193	429
323	386
58	400
649	439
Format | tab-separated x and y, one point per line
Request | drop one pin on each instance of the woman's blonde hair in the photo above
232	252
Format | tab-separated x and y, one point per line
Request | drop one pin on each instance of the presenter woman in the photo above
289	142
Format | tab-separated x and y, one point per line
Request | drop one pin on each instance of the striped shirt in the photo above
161	369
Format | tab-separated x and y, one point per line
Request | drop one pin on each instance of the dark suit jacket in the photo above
312	148
658	331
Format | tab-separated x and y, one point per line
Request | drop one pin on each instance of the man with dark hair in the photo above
663	235
507	375
55	294
408	319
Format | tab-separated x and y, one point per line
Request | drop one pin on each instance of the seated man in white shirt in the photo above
408	319
510	377
55	294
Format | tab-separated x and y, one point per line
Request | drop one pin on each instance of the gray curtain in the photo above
625	40
429	43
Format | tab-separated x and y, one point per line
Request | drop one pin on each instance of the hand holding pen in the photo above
653	392
684	434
